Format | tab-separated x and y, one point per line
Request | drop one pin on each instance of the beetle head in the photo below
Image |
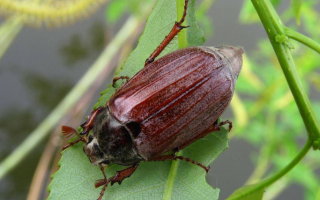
94	152
111	141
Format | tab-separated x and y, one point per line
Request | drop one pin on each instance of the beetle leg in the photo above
174	31
174	157
103	181
119	177
104	175
102	191
118	78
225	122
88	125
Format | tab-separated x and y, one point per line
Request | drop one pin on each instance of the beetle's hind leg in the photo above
174	157
174	31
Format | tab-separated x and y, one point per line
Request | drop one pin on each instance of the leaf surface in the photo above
152	180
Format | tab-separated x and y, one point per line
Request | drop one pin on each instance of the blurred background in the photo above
39	65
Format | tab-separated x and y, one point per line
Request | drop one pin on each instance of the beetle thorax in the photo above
111	142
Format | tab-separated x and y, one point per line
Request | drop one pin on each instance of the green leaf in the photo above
76	175
152	180
296	6
241	194
194	33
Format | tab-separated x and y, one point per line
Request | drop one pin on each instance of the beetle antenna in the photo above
68	131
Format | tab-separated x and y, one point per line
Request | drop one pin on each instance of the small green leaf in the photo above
152	180
296	6
241	194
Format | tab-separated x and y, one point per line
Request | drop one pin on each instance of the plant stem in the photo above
171	177
264	184
73	96
290	166
275	30
303	39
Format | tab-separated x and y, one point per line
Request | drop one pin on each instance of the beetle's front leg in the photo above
88	125
174	31
118	78
119	177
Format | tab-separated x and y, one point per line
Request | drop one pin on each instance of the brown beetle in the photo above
165	107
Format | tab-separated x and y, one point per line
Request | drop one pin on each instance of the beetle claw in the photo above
226	122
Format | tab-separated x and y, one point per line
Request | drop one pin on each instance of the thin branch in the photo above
277	176
289	167
302	39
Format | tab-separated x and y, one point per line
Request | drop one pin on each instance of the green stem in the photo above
275	30
264	184
171	177
290	166
74	95
303	39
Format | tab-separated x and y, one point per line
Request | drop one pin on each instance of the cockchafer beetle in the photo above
169	104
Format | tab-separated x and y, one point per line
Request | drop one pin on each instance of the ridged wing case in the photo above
175	99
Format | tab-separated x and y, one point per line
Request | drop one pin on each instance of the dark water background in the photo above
42	65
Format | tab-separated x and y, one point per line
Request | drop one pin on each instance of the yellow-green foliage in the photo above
49	12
